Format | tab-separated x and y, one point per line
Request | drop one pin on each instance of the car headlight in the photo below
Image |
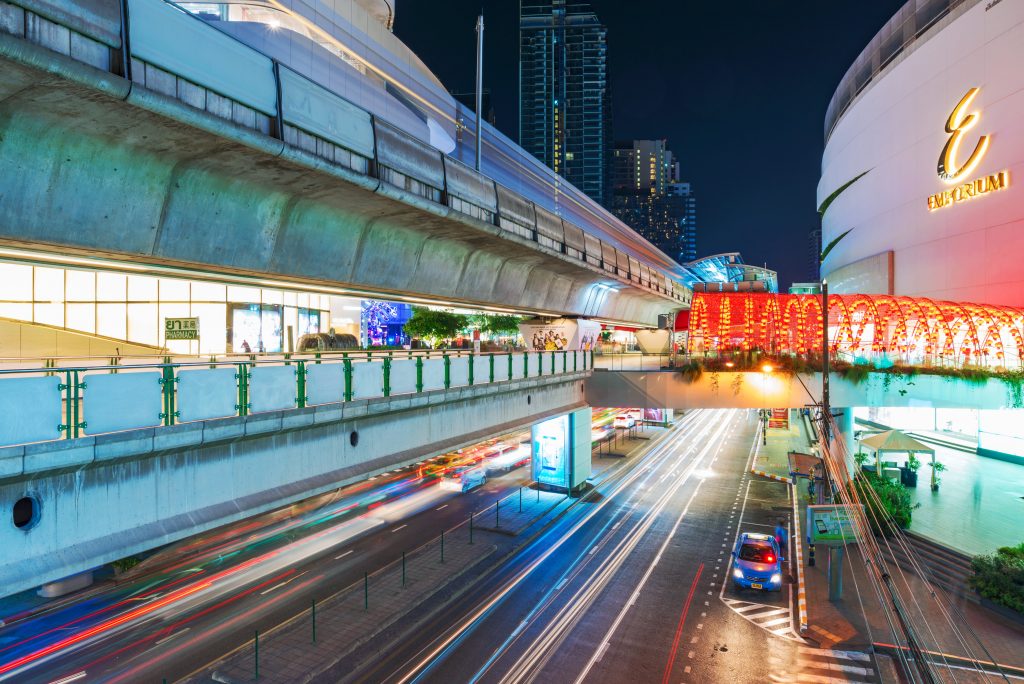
776	578
737	573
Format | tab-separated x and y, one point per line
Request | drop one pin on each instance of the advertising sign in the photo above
582	425
831	524
551	452
181	328
562	334
779	418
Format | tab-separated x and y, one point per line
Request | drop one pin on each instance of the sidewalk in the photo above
859	622
771	460
354	615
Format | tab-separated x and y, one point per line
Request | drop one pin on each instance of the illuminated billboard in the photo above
551	452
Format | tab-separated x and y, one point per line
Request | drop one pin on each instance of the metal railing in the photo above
906	27
67	402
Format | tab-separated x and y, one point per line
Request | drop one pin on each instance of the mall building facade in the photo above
932	114
928	124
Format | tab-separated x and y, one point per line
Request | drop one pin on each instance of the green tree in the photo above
497	324
435	325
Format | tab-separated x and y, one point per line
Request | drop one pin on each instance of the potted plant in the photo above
908	473
936	469
860	458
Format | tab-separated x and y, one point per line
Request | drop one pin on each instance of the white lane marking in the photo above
343	555
176	634
441	508
70	678
772	623
278	586
686	670
400	527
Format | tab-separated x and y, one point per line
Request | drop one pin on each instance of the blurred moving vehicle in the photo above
624	420
503	457
757	562
463	478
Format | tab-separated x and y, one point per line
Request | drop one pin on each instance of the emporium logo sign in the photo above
957	124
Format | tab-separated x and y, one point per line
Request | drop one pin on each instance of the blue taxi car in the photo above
757	562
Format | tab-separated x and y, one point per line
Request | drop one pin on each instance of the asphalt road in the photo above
631	586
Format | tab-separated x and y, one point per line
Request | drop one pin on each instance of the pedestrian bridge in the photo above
99	462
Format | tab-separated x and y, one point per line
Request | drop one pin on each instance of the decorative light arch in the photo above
912	330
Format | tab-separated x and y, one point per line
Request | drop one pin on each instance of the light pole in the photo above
766	369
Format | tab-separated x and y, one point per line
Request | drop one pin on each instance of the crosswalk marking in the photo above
773	619
772	623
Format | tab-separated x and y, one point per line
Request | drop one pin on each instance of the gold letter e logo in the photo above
957	124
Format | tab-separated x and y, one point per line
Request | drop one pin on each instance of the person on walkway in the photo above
781	537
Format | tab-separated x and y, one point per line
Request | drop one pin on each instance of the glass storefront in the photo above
126	306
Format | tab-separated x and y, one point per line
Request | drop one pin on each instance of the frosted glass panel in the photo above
272	388
208	393
208	292
459	372
272	297
124	401
403	376
49	285
433	374
481	370
16	282
81	317
212	327
517	366
142	289
142	324
172	290
80	286
244	295
111	287
30	409
367	380
51	313
325	383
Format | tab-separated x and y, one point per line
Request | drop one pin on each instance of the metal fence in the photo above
51	403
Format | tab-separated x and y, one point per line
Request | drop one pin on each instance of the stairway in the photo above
945	567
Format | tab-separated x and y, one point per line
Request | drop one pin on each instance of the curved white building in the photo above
932	113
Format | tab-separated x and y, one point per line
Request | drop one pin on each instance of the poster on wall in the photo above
561	334
551	452
254	328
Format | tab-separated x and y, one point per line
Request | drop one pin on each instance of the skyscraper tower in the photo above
564	101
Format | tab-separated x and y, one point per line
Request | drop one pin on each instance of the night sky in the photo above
739	89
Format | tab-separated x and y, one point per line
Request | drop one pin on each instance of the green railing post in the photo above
243	389
66	388
565	360
491	377
348	379
167	385
526	364
471	363
419	374
540	363
300	385
553	354
447	371
509	366
387	375
76	386
256	652
497	520
313	615
575	361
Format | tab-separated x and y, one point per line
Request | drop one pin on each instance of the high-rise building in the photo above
814	248
650	197
564	101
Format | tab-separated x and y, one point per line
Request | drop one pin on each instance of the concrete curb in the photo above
801	591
